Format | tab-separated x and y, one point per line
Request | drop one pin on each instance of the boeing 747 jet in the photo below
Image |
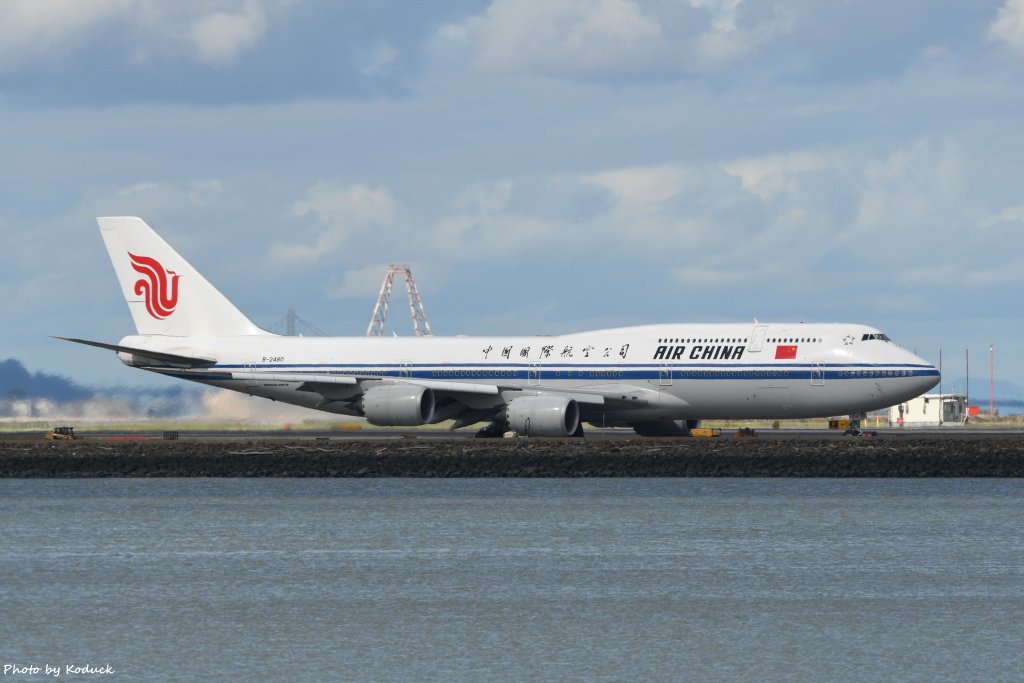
658	379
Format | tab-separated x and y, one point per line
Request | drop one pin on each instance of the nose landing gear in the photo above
854	428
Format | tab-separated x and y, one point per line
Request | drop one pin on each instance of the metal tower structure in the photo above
991	381
420	325
291	325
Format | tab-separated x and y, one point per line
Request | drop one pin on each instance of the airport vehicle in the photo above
657	379
62	434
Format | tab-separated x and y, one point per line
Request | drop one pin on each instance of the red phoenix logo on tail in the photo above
161	295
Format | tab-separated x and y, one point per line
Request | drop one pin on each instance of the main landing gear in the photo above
491	431
497	430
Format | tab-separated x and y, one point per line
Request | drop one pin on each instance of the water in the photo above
782	580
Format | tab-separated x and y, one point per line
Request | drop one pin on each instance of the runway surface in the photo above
591	434
429	453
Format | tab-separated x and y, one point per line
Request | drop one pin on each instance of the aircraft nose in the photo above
926	377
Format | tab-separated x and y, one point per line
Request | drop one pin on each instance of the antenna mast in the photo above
991	381
420	324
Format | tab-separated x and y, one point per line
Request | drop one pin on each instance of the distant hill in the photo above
16	382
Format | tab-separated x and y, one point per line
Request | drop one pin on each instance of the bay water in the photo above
501	579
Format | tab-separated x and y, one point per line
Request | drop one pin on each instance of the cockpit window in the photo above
879	336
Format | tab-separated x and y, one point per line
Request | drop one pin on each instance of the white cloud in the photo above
1008	26
726	43
517	35
706	277
203	192
930	275
1013	214
149	198
35	28
989	275
642	185
340	211
662	210
363	283
138	188
775	224
908	201
484	197
214	33
935	52
219	37
974	275
333	201
470	235
482	222
607	38
767	177
378	59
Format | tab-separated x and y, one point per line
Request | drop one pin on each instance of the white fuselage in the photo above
673	371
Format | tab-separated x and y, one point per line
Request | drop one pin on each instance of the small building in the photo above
929	410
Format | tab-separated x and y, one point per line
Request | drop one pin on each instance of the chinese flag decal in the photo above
785	352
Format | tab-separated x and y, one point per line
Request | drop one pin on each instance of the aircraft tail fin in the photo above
165	294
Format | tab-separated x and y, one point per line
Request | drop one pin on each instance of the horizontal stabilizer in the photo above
142	354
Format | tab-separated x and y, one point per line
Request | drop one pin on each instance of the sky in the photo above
545	166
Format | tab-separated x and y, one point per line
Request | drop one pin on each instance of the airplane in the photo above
661	380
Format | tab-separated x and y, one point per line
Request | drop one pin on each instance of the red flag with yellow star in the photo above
785	352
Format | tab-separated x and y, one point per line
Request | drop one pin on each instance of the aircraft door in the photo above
818	374
533	375
757	338
665	375
249	372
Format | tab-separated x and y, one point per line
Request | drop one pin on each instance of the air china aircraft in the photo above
657	379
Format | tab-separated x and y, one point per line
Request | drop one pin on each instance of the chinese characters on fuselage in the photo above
566	352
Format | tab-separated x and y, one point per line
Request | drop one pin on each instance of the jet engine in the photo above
543	415
398	405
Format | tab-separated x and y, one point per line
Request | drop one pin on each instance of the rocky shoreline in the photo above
939	457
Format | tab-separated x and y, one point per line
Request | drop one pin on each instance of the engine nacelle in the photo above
130	360
543	415
398	405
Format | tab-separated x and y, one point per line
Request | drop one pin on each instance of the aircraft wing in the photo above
611	395
334	385
307	378
446	387
312	380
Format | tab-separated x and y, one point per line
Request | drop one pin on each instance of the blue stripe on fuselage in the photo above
693	372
